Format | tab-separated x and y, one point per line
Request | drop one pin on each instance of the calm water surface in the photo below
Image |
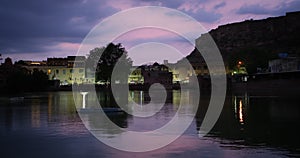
47	125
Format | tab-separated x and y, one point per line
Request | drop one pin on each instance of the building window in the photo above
49	71
64	71
71	70
80	70
57	71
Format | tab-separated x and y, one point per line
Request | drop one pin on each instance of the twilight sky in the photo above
37	29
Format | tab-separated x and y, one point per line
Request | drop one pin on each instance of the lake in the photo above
48	125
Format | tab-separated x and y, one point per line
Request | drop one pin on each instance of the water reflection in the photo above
43	112
241	112
240	105
257	120
255	125
107	100
137	136
35	114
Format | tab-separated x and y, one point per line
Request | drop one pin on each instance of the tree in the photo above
17	80
108	57
22	80
39	80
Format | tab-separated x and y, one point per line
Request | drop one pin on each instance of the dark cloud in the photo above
253	9
289	7
165	3
201	15
220	5
29	26
33	26
281	9
205	16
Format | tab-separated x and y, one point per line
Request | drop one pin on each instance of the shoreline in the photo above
283	84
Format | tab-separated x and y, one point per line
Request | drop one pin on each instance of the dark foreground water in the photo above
47	125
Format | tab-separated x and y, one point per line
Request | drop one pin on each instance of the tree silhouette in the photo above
108	57
19	79
39	80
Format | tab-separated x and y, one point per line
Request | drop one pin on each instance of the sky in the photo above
37	29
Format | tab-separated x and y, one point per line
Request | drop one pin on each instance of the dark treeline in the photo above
16	79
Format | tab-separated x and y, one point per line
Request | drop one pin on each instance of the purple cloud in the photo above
279	9
45	27
220	5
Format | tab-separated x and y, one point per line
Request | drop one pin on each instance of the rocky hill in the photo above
277	34
269	36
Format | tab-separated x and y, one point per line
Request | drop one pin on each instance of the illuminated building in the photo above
156	73
66	70
136	76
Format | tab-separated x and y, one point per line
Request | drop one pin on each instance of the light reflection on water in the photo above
241	117
47	125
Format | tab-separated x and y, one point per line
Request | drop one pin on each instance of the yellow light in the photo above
241	116
35	63
49	71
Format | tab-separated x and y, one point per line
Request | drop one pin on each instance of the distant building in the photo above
69	61
69	70
198	64
284	64
136	76
157	73
239	69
